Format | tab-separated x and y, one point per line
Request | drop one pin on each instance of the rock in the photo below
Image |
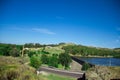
42	72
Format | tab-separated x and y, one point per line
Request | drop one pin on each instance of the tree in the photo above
44	59
37	45
53	61
31	53
14	52
65	59
35	62
6	50
62	43
29	45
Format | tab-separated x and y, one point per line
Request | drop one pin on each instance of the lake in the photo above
102	61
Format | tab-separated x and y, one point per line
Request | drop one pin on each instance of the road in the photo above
62	72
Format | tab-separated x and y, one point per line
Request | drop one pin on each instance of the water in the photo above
103	61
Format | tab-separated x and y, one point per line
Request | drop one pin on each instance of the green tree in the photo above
31	53
37	45
53	61
35	62
65	59
44	59
29	45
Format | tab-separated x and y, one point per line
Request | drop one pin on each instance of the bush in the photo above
35	62
44	59
14	52
85	66
31	53
65	60
53	61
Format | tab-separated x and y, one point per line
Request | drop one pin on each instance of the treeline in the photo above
38	45
90	51
16	50
10	49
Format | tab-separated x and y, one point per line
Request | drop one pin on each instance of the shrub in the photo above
53	61
85	66
14	52
44	59
31	53
35	62
65	60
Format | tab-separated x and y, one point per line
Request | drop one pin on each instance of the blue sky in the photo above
86	22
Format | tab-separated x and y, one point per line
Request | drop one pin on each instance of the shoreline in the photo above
94	56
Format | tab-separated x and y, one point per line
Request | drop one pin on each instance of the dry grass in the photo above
103	73
54	50
13	69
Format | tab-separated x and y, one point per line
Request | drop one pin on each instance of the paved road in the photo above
62	72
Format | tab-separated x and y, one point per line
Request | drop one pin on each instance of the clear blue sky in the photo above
86	22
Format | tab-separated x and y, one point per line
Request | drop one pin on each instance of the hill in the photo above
14	69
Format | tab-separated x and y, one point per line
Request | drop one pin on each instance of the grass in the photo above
58	77
51	50
54	50
13	69
103	72
60	66
45	65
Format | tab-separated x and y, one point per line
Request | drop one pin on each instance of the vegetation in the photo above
15	69
56	60
12	68
31	53
85	66
48	54
44	59
103	73
53	61
10	50
53	50
57	77
35	62
65	59
90	51
37	45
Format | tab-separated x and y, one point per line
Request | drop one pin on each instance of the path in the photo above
62	72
